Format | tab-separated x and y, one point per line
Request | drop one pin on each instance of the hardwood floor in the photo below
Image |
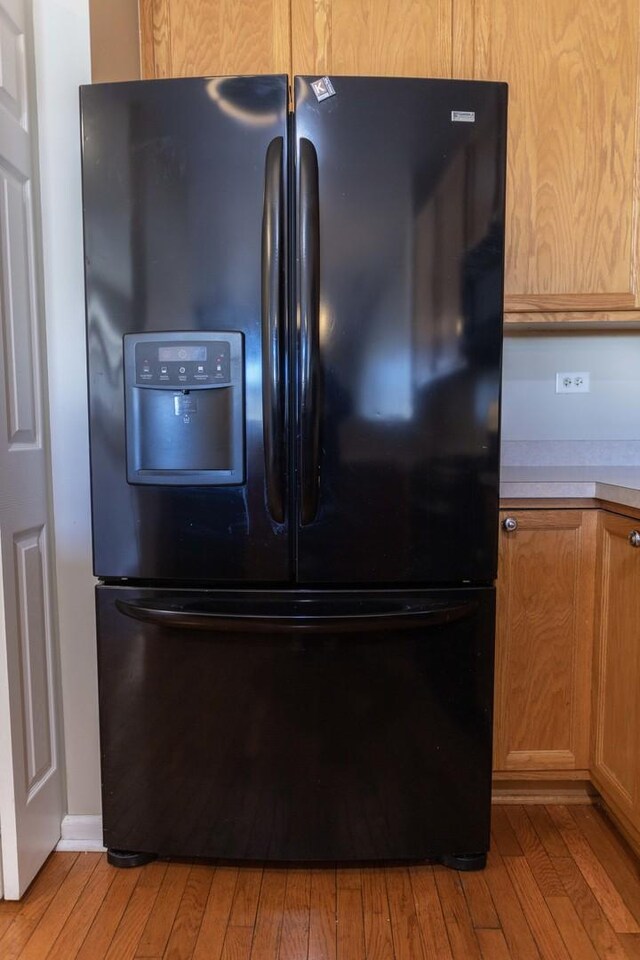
560	885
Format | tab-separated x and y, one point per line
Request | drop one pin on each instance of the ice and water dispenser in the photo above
184	407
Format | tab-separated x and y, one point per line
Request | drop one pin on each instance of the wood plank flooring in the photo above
560	885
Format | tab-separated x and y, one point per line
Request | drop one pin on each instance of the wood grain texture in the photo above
493	945
513	922
589	911
61	907
511	911
136	914
237	943
186	925
515	302
405	926
575	937
155	39
631	944
481	908
572	68
378	941
185	38
544	641
577	320
294	939
155	935
429	913
535	909
462	937
613	853
547	832
108	918
34	905
406	38
535	854
147	51
632	513
593	871
628	827
616	704
503	836
214	923
322	916
350	924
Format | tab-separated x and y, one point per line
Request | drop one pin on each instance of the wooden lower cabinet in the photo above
544	641
616	699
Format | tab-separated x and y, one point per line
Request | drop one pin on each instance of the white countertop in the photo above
617	484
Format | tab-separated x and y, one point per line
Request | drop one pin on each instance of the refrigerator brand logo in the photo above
323	88
463	116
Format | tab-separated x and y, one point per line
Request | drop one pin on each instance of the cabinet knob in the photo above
510	524
634	538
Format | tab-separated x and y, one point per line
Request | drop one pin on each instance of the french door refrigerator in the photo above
294	340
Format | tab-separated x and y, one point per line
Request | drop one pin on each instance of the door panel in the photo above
187	38
616	742
572	221
174	201
544	640
31	805
298	740
404	318
372	37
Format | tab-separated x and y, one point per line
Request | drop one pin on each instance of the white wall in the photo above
605	421
63	63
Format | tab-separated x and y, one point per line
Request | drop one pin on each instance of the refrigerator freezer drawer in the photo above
296	726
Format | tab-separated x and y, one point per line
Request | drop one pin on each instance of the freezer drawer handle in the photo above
273	318
309	331
163	614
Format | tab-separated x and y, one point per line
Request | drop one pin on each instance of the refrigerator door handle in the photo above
273	311
309	331
179	616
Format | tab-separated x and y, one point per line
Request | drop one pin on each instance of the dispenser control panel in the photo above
186	365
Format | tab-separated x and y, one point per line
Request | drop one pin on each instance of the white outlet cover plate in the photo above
573	382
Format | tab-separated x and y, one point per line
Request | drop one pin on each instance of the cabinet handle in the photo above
510	524
634	538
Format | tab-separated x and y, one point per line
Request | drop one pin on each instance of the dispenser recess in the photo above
184	408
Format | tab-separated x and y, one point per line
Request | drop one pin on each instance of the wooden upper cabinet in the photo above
573	68
403	38
572	211
190	38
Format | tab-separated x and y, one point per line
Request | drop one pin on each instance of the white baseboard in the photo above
81	833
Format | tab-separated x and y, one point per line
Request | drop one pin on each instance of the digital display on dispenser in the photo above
182	352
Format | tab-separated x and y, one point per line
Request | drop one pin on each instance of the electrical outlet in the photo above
572	383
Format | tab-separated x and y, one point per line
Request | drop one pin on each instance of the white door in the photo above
30	775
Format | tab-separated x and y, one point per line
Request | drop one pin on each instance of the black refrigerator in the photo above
294	314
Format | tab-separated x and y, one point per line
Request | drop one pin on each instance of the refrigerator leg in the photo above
465	861
129	858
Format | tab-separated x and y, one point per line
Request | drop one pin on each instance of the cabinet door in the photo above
406	38
187	38
544	640
616	748
572	212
